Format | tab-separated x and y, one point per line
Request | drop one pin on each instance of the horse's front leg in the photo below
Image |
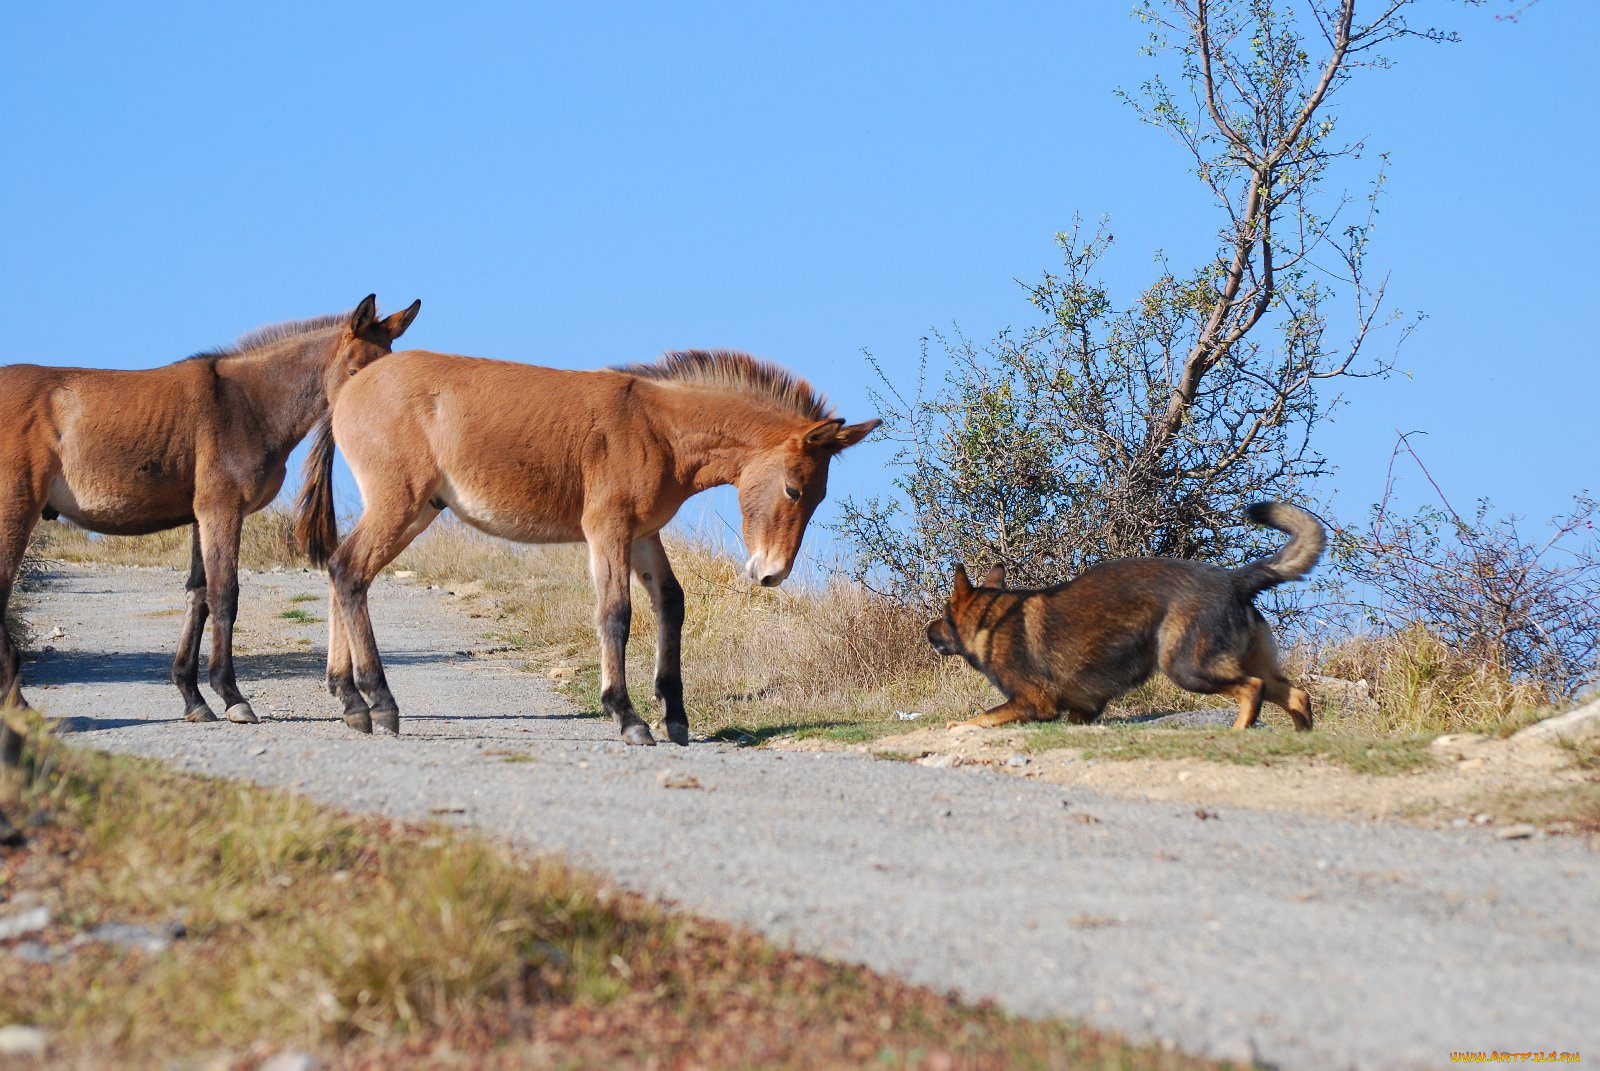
219	547
186	663
666	598
609	544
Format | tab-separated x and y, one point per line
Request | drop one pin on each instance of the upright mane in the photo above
272	334
739	373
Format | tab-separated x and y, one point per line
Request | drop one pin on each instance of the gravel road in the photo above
1296	941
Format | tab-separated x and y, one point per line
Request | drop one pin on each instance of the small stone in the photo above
562	673
34	952
939	762
291	1060
676	779
448	808
135	937
1516	832
1017	760
404	574
18	1040
24	922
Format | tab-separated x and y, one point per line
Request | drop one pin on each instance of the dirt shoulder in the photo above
1463	778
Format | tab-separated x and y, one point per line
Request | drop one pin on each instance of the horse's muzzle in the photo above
768	574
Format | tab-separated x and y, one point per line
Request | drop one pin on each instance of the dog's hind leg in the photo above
1248	693
1261	660
1297	701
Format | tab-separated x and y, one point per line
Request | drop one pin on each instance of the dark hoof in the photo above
678	733
638	736
360	721
200	713
388	720
241	714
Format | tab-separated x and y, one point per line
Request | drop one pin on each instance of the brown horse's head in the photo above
363	338
781	487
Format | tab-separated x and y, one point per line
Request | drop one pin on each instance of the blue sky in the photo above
590	184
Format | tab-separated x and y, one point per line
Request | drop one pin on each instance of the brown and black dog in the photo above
1077	646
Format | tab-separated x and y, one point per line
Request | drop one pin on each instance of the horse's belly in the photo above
521	525
118	510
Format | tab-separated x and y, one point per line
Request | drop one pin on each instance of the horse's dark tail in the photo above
1294	559
316	526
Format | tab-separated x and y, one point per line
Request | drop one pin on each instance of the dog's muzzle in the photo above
942	637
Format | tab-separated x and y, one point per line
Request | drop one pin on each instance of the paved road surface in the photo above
1301	942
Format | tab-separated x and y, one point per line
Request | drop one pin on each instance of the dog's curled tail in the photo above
1294	559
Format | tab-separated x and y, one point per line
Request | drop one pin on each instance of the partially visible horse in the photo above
540	455
204	440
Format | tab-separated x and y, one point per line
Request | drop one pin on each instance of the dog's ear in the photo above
963	586
995	577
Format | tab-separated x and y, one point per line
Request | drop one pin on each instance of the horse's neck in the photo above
714	436
287	389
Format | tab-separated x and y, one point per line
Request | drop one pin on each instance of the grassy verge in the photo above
1359	752
371	943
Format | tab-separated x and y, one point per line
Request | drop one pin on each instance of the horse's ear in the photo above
833	435
364	314
996	577
820	434
848	437
395	325
963	586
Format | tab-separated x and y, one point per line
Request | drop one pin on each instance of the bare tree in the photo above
1107	431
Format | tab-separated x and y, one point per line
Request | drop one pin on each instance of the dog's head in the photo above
945	633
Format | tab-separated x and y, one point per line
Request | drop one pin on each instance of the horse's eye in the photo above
792	492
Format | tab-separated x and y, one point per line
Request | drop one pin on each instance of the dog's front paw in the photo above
962	727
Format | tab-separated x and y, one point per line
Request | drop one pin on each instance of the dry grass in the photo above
756	661
1421	685
377	944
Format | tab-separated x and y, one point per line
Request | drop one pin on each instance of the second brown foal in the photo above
540	455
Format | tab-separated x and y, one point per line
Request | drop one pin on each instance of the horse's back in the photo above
511	448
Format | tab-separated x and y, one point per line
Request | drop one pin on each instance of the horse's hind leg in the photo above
609	550
385	529
341	677
666	597
219	547
186	663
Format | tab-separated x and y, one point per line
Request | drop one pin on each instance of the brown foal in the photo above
203	441
540	455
